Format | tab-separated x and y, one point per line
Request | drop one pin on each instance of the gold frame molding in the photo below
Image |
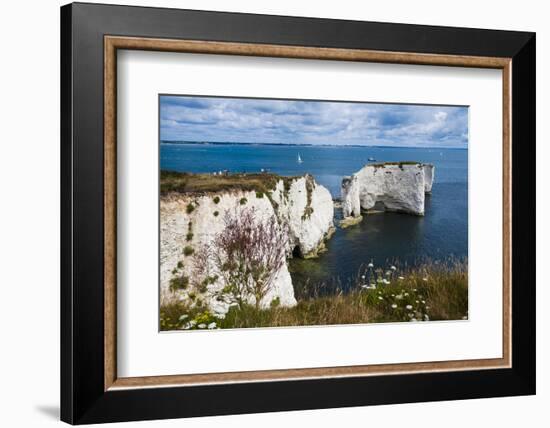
113	43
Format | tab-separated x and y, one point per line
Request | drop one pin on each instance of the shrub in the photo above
190	208
179	283
216	199
216	213
243	201
259	195
180	264
188	250
189	236
247	254
307	212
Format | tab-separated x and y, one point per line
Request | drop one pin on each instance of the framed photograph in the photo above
266	213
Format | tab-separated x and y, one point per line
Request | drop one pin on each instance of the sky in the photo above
248	120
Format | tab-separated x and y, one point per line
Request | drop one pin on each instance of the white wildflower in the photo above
184	316
410	315
380	298
425	279
370	265
401	277
211	326
399	297
423	302
202	325
393	268
409	307
406	294
426	317
394	306
413	319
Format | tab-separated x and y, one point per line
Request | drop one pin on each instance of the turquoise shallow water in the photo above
383	238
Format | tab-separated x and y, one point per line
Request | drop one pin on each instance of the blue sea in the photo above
384	239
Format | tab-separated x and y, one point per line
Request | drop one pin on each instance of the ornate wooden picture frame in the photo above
91	389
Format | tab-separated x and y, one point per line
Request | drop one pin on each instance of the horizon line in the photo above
305	144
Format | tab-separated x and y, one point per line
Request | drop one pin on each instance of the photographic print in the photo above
280	213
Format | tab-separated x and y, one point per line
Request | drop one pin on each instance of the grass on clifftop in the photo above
399	164
429	293
180	182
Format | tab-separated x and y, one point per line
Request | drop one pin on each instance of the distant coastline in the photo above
235	143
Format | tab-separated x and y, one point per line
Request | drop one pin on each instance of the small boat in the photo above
299	158
371	159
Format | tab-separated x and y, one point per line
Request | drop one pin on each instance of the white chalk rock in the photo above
429	174
308	210
391	187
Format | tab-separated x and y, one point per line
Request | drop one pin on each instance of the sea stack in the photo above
391	186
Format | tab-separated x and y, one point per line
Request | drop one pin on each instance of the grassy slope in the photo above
444	291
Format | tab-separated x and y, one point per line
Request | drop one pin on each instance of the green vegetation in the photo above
179	283
189	236
399	164
180	265
307	212
216	213
203	285
243	201
259	195
180	182
201	319
310	185
429	293
188	250
190	208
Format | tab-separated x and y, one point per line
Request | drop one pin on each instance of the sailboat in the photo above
299	158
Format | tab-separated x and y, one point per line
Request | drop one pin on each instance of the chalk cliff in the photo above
397	187
303	209
429	171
